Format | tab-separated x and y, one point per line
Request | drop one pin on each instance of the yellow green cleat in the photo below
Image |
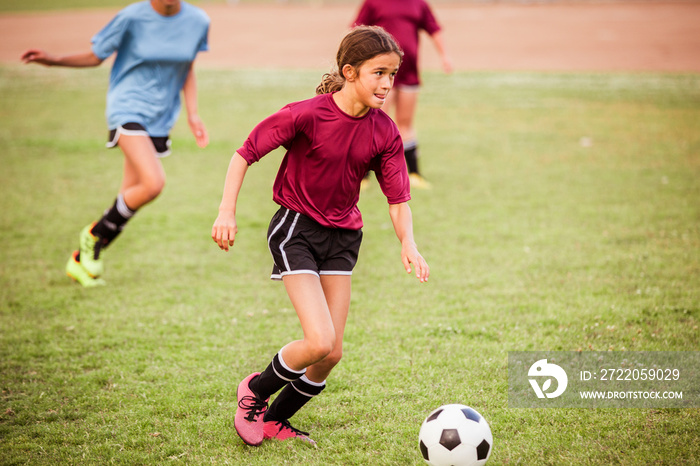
76	271
90	246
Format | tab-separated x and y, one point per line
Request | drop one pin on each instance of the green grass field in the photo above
564	216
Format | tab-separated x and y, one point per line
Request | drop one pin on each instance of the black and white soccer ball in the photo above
455	435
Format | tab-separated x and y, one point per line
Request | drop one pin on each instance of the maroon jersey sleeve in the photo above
428	21
274	131
392	174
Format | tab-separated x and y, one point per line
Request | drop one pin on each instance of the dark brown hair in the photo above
359	45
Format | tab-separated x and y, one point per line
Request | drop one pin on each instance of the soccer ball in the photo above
455	435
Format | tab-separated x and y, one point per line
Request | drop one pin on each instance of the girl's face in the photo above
374	79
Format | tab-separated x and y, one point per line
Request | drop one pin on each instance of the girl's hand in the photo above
224	230
37	56
447	65
199	130
410	255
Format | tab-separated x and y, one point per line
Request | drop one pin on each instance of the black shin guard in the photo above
273	378
411	154
292	398
113	221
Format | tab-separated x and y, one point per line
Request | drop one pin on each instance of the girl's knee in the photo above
154	187
333	358
321	348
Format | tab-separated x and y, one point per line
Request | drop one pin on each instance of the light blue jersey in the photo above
154	55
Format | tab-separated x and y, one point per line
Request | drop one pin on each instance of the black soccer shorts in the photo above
161	143
300	245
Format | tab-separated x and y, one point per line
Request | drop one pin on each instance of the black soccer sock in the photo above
410	150
274	377
113	221
292	398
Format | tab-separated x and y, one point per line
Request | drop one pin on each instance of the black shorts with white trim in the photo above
300	245
161	143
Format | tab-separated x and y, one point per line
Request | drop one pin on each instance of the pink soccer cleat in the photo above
249	414
283	430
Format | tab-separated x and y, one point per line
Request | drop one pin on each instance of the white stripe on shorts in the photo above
299	272
128	132
286	240
136	132
278	276
279	225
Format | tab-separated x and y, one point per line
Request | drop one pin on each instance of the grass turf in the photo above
564	217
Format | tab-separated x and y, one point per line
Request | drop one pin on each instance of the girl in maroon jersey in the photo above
332	141
404	19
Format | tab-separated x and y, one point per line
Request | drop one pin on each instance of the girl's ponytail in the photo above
330	82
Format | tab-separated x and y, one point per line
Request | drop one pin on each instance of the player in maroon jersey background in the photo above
404	19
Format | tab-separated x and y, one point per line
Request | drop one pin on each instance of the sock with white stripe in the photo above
292	398
113	221
275	376
410	150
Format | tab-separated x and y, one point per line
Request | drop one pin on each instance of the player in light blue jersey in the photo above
155	42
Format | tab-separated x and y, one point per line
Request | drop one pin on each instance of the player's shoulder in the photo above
195	12
383	118
136	10
309	106
385	126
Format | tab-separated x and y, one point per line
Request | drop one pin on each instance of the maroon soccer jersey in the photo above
403	19
328	154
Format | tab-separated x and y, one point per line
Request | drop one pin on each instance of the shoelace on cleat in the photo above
254	406
286	425
93	247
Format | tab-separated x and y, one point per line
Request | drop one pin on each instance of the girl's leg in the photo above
306	294
130	176
295	395
406	103
144	177
337	290
289	365
143	180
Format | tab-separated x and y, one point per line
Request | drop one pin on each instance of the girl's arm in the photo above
439	41
224	230
79	60
196	124
402	220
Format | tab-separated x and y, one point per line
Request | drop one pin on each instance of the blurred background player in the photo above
155	43
333	140
404	19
